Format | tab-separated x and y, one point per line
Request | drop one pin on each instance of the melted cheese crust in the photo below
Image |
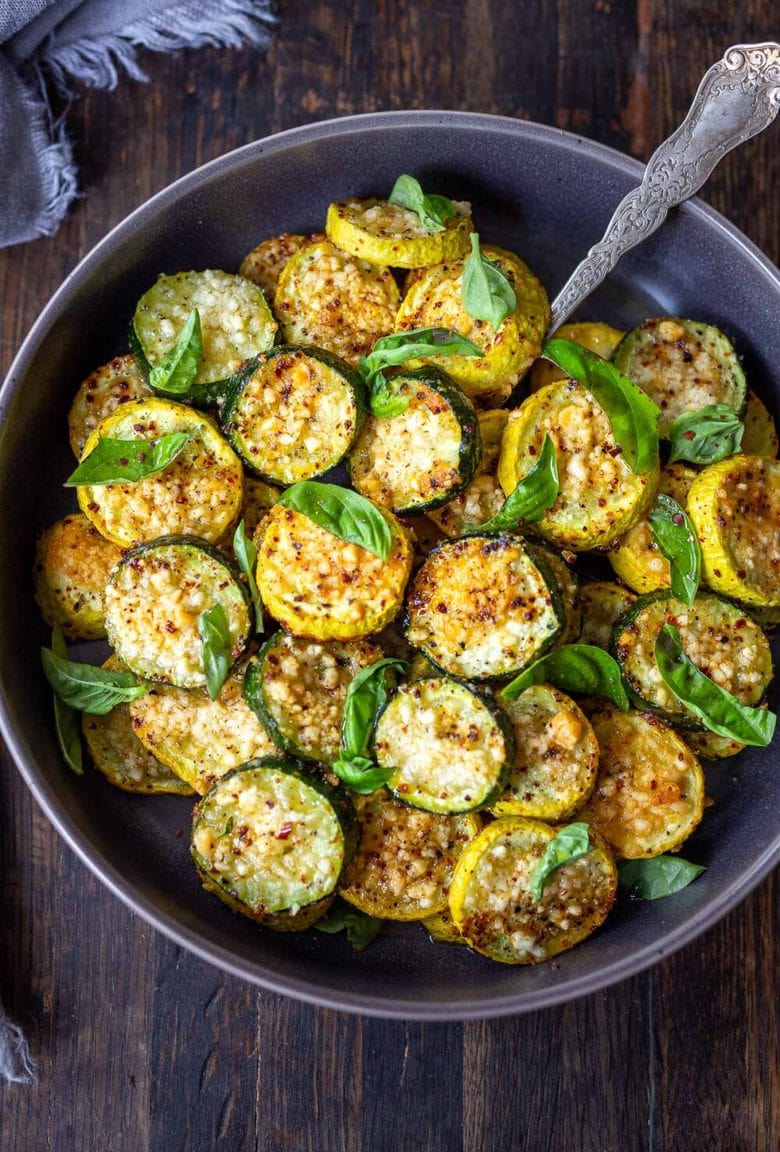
264	264
73	563
480	608
100	394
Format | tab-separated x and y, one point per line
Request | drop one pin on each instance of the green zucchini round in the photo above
292	413
449	747
424	456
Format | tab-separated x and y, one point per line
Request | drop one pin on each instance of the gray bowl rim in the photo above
112	878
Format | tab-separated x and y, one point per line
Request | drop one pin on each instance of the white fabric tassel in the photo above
16	1064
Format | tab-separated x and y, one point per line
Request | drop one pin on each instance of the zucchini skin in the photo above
408	246
341	439
469	454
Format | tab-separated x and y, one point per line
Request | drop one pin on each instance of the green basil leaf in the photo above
366	697
432	210
360	774
660	876
707	435
66	720
485	291
534	494
571	843
718	710
87	688
341	512
384	401
361	929
577	668
217	647
632	415
675	536
399	347
246	555
126	461
175	373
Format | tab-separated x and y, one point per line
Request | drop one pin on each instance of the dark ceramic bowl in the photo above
541	192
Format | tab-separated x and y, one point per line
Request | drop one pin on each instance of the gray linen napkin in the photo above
91	42
71	42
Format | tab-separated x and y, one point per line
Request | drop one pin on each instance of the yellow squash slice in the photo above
101	394
72	565
265	263
385	233
638	560
484	495
760	438
596	337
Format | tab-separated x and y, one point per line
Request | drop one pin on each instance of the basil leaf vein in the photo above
246	554
396	349
127	461
66	720
706	435
341	512
718	710
571	843
632	415
485	291
657	877
433	211
217	647
366	697
675	536
174	374
577	668
360	928
534	494
87	688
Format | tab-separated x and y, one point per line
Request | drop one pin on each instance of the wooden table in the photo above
142	1047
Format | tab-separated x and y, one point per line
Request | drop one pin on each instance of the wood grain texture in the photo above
142	1047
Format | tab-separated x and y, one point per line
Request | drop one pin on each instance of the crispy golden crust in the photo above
101	394
72	565
265	263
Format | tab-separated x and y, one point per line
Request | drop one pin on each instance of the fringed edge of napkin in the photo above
16	1064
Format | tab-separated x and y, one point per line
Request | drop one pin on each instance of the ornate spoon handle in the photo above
738	97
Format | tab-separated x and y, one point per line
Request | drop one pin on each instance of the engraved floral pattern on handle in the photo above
738	97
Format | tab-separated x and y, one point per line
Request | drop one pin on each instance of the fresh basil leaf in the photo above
175	373
718	710
360	774
571	843
246	555
366	697
675	536
361	929
432	210
341	512
384	401
397	349
87	688
632	415
577	668
534	494
485	291
707	435
127	461
660	876
217	647
66	720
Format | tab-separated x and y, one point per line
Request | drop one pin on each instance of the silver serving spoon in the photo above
737	98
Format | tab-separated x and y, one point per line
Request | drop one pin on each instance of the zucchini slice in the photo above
200	492
434	298
735	508
330	299
259	497
556	757
760	438
449	748
711	746
718	637
599	496
317	585
385	233
293	413
264	264
198	738
483	497
593	335
424	456
484	607
298	688
491	901
566	579
235	321
602	604
649	793
424	534
404	862
101	394
272	841
154	599
117	752
682	365
73	563
638	560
